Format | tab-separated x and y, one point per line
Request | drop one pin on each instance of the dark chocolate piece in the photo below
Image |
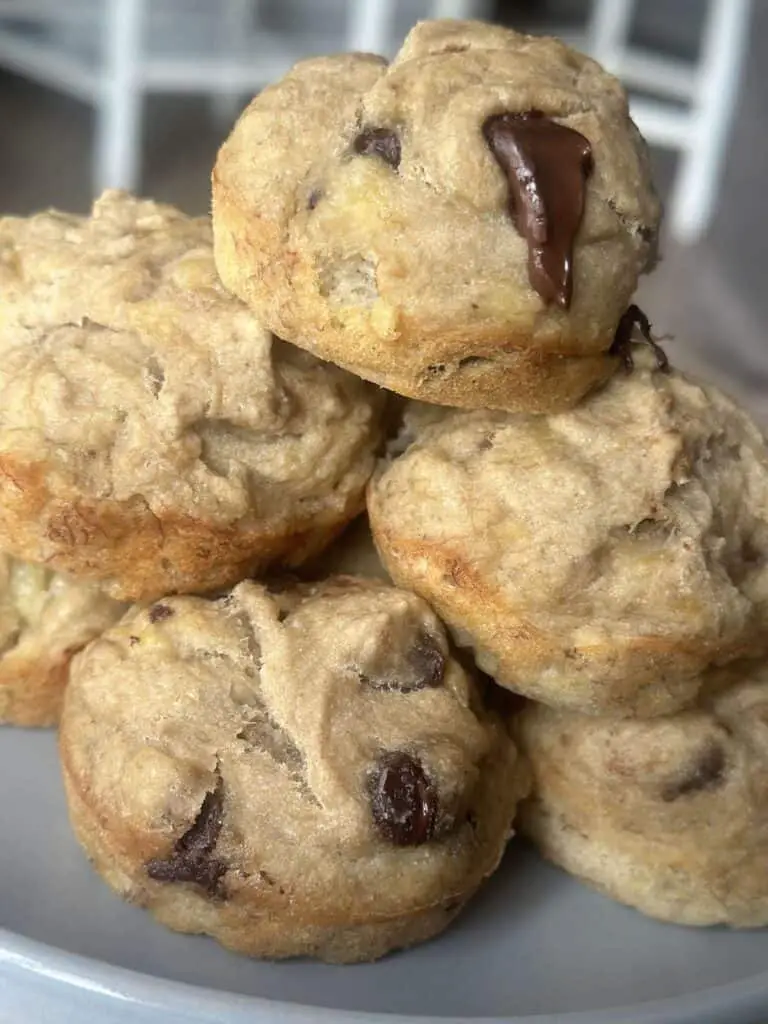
404	803
158	612
314	198
422	666
621	345
381	142
706	772
547	166
192	859
428	663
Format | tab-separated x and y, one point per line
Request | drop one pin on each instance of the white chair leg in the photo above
118	132
369	25
695	189
235	25
608	30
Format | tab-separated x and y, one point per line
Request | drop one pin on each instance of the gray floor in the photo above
711	298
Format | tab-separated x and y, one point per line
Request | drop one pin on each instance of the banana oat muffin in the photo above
599	559
304	770
668	815
153	436
465	225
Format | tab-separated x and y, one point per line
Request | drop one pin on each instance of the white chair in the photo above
709	88
99	52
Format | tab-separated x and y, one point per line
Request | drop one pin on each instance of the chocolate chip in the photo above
158	612
623	339
133	640
404	803
191	859
547	166
422	666
382	142
314	198
428	662
707	772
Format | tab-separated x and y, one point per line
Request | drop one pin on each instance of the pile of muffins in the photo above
265	735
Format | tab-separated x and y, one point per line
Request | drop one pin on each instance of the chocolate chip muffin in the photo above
153	436
599	559
669	815
465	226
301	771
45	618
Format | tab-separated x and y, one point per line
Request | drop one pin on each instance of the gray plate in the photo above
534	946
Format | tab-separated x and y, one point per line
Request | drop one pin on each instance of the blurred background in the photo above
139	94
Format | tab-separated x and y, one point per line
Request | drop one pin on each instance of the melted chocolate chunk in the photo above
158	612
547	166
623	339
404	803
192	859
706	772
381	142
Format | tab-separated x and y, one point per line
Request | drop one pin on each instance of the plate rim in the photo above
87	974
